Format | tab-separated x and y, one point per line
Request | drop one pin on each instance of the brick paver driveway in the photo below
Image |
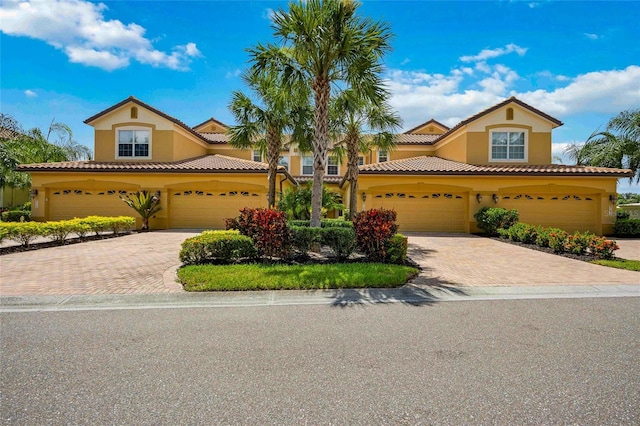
133	263
461	259
145	263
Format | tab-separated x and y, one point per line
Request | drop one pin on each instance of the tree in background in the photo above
361	124
324	43
617	146
20	147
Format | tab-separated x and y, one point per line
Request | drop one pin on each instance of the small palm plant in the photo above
145	204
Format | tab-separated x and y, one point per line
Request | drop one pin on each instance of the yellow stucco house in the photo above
436	178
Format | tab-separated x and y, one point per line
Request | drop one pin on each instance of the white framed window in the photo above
257	155
133	142
508	145
284	161
383	156
307	165
360	160
333	168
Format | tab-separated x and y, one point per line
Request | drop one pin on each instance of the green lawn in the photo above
293	277
631	265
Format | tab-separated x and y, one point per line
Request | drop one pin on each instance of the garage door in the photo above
571	212
198	208
67	203
433	211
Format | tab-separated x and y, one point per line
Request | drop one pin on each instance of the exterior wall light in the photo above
479	198
364	197
495	198
612	199
33	193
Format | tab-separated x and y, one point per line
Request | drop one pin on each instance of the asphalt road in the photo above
569	361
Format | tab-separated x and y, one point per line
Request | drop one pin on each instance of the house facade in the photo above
436	178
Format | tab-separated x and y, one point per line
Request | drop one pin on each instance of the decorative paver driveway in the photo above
469	260
135	263
145	263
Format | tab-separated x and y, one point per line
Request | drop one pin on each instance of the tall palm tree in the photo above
262	124
362	124
617	146
324	43
34	147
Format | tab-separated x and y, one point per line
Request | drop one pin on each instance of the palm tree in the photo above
34	147
617	146
324	43
353	117
262	125
145	204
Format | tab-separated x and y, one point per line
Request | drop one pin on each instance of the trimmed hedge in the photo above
211	246
304	238
397	251
490	219
59	231
342	241
627	227
560	241
16	216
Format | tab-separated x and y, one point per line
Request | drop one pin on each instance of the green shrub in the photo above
4	232
23	232
324	223
490	219
58	231
557	240
542	239
397	251
116	224
374	229
342	241
80	227
622	214
304	238
578	243
627	227
521	232
224	246
602	248
16	216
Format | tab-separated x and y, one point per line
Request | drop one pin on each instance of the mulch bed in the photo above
584	257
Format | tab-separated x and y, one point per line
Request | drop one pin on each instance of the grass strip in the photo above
293	277
630	265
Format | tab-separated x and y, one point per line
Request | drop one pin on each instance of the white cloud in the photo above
418	96
494	53
592	36
235	73
405	61
533	5
30	93
79	28
268	14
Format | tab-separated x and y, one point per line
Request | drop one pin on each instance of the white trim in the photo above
134	128
336	165
509	130
387	155
302	165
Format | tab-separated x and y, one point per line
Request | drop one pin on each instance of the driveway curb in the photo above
411	295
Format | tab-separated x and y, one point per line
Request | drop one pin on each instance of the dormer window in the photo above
508	145
133	143
383	156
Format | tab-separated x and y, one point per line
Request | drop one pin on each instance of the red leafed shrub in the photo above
268	230
374	230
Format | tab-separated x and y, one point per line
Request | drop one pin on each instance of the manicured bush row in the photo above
342	241
627	227
560	241
16	216
490	219
224	246
59	231
324	223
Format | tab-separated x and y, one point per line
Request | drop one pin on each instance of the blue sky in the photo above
577	61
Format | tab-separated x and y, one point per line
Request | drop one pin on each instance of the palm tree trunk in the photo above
322	90
273	155
352	173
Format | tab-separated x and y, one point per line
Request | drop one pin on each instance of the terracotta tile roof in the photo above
150	108
327	179
205	164
219	123
428	165
416	139
410	131
215	138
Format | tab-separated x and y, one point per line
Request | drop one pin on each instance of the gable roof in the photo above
426	123
150	108
430	165
211	120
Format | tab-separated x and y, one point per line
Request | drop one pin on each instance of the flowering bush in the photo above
268	230
602	248
374	229
578	243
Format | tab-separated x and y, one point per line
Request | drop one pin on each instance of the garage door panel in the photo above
67	203
436	212
198	208
565	211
